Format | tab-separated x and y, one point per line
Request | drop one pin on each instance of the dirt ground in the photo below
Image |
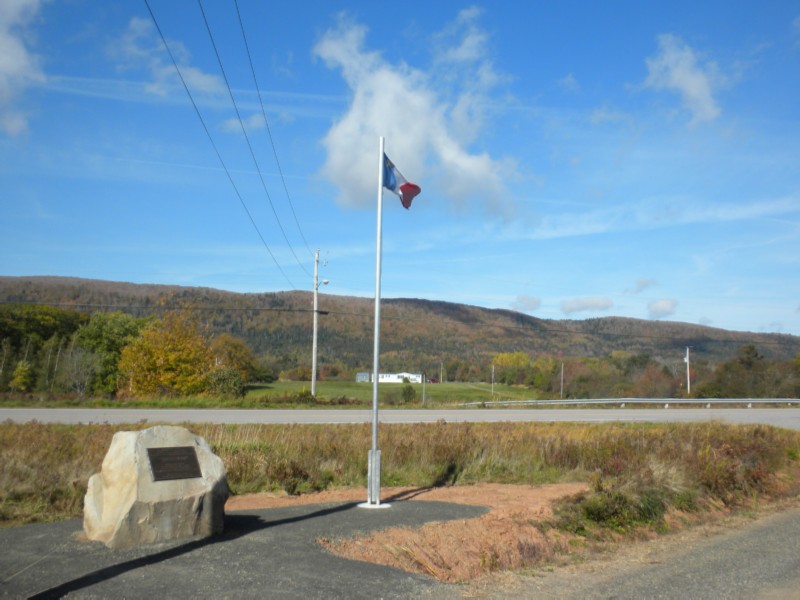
507	553
509	536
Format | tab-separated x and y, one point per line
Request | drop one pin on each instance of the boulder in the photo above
150	489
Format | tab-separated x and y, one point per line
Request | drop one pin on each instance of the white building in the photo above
365	377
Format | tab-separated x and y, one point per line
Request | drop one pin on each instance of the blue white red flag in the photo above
394	181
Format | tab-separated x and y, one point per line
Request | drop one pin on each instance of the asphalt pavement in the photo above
759	560
788	417
262	554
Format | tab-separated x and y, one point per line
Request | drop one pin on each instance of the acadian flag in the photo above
394	181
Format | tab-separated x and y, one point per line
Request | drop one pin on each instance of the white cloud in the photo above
590	304
676	68
658	309
470	41
607	115
659	213
139	47
525	303
19	68
569	83
641	284
254	121
428	120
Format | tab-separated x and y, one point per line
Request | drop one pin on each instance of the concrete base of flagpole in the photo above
374	505
374	481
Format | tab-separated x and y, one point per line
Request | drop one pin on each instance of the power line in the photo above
161	307
269	130
679	339
543	333
211	139
247	138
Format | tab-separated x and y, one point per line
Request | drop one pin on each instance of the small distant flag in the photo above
394	181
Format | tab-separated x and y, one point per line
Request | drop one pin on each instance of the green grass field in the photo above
295	394
435	394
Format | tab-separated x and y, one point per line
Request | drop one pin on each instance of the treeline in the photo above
421	334
53	350
178	353
623	374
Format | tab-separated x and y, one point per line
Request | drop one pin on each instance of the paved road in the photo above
273	554
262	554
758	561
780	417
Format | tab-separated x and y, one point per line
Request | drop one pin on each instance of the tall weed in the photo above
638	469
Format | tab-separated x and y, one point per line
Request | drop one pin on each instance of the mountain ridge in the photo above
414	331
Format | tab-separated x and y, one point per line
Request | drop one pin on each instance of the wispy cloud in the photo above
659	213
569	83
604	114
641	284
139	47
19	66
658	309
254	121
590	304
676	68
428	118
290	104
525	303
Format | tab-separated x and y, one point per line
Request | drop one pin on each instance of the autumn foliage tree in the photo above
234	353
171	357
104	336
511	367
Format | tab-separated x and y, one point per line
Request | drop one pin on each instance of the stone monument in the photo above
156	485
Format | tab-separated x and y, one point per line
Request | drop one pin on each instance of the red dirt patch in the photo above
509	536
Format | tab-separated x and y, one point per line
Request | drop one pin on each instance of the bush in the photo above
640	470
616	509
304	396
409	393
226	382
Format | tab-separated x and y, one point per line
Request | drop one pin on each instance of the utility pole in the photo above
561	395
316	322
688	378
492	381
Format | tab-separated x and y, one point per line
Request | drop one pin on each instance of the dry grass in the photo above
511	535
45	468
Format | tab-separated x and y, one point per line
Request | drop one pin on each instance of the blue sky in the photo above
576	160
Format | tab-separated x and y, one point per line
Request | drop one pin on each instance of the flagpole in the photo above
374	459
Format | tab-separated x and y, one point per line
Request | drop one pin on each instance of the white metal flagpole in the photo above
374	459
315	324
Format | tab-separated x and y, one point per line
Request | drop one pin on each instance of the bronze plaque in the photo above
175	462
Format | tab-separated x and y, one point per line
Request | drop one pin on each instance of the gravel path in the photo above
757	559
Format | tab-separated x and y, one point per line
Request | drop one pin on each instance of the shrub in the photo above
409	393
226	382
640	470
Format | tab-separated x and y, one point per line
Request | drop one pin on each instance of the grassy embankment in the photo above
638	471
294	394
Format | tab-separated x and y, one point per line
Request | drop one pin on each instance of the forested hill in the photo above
418	333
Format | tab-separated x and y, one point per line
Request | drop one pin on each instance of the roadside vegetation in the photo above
638	472
60	357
